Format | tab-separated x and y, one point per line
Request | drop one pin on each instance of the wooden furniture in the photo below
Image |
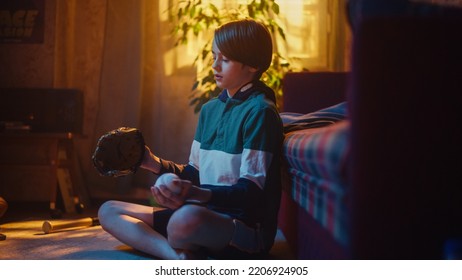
37	156
38	167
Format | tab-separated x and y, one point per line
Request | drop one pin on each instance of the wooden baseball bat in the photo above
50	226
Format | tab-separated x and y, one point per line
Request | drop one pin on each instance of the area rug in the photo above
25	240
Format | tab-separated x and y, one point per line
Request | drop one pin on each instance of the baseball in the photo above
167	180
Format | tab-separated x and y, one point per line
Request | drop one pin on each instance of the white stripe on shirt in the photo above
220	168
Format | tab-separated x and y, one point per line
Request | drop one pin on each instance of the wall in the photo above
30	65
114	52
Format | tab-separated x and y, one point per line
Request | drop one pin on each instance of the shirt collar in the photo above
242	94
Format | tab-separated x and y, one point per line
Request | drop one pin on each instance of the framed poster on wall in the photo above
22	21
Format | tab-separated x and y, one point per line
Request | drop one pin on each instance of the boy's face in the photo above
230	74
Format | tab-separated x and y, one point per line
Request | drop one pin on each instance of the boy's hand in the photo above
150	161
167	198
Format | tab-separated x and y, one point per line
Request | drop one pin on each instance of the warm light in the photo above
304	21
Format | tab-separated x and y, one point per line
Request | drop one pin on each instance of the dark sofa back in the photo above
306	92
406	98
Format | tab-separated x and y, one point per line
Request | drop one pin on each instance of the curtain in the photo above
340	37
117	52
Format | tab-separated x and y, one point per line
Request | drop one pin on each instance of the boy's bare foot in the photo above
191	255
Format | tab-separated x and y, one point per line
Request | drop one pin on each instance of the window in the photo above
315	33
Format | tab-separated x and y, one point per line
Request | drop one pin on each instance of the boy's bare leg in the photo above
132	224
192	227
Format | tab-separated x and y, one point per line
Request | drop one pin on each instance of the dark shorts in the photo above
231	252
160	220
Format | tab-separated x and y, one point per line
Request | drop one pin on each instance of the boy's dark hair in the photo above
246	41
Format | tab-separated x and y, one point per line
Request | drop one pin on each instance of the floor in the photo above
26	240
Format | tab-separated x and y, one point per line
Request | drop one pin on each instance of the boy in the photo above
231	186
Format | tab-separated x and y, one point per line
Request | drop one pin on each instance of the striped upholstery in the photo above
316	161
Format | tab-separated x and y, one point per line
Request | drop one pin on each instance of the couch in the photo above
373	157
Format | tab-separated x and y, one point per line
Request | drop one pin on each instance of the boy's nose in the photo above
215	65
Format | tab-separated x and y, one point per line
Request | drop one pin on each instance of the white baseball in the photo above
167	180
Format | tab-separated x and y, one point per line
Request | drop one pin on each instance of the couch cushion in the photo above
316	165
320	152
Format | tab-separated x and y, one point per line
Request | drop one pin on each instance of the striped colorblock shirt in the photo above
236	153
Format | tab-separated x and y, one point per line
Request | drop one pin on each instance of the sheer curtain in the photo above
120	54
316	34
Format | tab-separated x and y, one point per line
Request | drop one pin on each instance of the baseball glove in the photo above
119	152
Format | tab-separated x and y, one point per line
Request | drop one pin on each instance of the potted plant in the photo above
195	19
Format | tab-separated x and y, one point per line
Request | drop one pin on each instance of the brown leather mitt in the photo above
119	152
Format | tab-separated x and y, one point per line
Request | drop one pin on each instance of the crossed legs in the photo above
189	228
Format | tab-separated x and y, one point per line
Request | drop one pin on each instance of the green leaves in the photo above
194	18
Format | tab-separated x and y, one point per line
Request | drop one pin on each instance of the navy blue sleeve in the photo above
184	171
244	195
